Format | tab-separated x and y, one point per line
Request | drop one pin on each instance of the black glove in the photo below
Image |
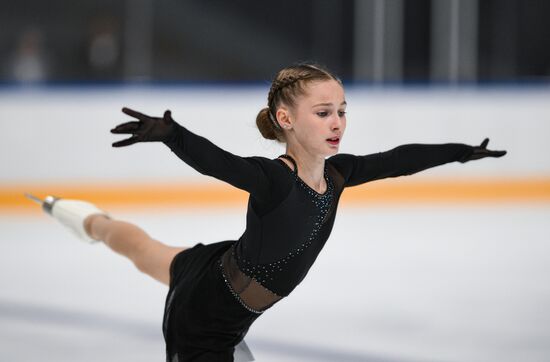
147	129
481	151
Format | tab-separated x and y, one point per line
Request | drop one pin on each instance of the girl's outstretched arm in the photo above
406	160
246	173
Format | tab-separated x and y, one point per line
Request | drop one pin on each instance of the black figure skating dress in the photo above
218	290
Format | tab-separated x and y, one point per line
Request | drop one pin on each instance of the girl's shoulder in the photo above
272	165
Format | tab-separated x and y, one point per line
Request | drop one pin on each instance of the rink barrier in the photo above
189	195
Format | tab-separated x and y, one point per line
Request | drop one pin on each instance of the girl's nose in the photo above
336	122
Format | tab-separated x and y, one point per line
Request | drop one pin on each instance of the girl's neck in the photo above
310	167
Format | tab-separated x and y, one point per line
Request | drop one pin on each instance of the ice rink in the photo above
450	265
393	284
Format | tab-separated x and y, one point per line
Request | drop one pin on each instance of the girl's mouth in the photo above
333	141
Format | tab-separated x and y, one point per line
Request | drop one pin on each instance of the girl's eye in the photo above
341	113
322	114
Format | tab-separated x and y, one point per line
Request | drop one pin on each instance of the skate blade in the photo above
34	198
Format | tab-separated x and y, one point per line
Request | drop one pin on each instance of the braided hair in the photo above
287	85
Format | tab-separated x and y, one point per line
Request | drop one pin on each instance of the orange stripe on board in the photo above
208	195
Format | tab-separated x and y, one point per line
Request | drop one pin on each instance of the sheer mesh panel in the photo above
251	294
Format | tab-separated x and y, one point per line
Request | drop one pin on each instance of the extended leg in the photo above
148	255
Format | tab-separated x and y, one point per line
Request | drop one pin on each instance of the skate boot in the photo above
70	213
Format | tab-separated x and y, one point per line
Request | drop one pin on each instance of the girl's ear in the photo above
284	117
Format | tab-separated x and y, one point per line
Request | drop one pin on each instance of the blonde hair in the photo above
288	84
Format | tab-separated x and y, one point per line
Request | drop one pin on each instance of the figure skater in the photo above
216	291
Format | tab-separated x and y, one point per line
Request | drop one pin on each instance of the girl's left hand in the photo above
481	151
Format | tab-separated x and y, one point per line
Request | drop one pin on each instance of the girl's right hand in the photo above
146	129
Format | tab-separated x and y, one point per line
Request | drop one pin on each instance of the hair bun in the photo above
265	125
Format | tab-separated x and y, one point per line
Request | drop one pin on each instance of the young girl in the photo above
217	291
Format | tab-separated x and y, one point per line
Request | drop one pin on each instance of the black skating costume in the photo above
218	290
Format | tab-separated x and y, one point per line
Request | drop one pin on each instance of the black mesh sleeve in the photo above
402	160
245	173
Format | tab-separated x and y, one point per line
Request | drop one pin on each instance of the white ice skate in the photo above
70	213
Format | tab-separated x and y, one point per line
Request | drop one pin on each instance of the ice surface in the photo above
409	283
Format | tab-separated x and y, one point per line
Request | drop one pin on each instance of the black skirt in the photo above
203	321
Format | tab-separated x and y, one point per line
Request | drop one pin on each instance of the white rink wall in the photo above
62	133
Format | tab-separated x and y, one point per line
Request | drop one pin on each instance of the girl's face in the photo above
318	118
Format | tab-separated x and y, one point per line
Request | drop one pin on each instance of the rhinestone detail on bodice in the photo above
264	272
